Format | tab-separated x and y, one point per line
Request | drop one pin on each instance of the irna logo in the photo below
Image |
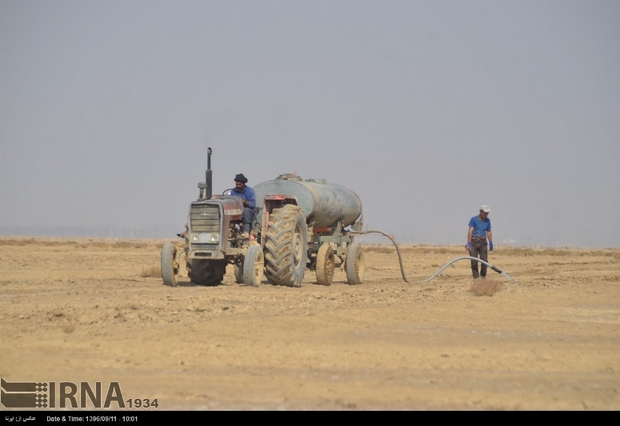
61	395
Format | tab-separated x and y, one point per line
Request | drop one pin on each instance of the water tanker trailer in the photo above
303	226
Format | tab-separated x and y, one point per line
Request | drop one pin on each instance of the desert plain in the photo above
94	310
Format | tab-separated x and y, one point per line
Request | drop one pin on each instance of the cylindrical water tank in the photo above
323	204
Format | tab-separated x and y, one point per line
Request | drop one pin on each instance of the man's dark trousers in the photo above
479	249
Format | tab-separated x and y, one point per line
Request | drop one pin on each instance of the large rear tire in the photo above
354	264
286	246
170	265
325	265
253	266
206	272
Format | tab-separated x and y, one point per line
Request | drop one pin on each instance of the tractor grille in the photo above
203	250
205	218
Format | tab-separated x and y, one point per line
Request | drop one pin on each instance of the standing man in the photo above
248	197
479	231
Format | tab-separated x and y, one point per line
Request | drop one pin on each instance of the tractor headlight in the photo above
207	238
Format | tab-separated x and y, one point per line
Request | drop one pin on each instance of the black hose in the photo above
400	258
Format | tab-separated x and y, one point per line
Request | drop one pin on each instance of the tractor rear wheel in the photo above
206	272
325	265
169	265
354	264
286	246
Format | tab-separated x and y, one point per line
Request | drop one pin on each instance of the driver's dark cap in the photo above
241	178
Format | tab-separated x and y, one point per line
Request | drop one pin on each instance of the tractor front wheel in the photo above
206	272
253	266
238	266
170	265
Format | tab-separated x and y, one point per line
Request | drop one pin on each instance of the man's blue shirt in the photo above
246	194
480	226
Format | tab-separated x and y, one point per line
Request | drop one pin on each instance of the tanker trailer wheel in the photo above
325	265
170	265
253	266
286	246
206	272
354	264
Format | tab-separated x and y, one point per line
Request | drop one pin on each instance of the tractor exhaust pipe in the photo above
208	180
207	184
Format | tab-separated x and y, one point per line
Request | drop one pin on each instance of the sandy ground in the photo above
81	310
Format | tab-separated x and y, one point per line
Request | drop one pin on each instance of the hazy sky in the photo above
426	109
